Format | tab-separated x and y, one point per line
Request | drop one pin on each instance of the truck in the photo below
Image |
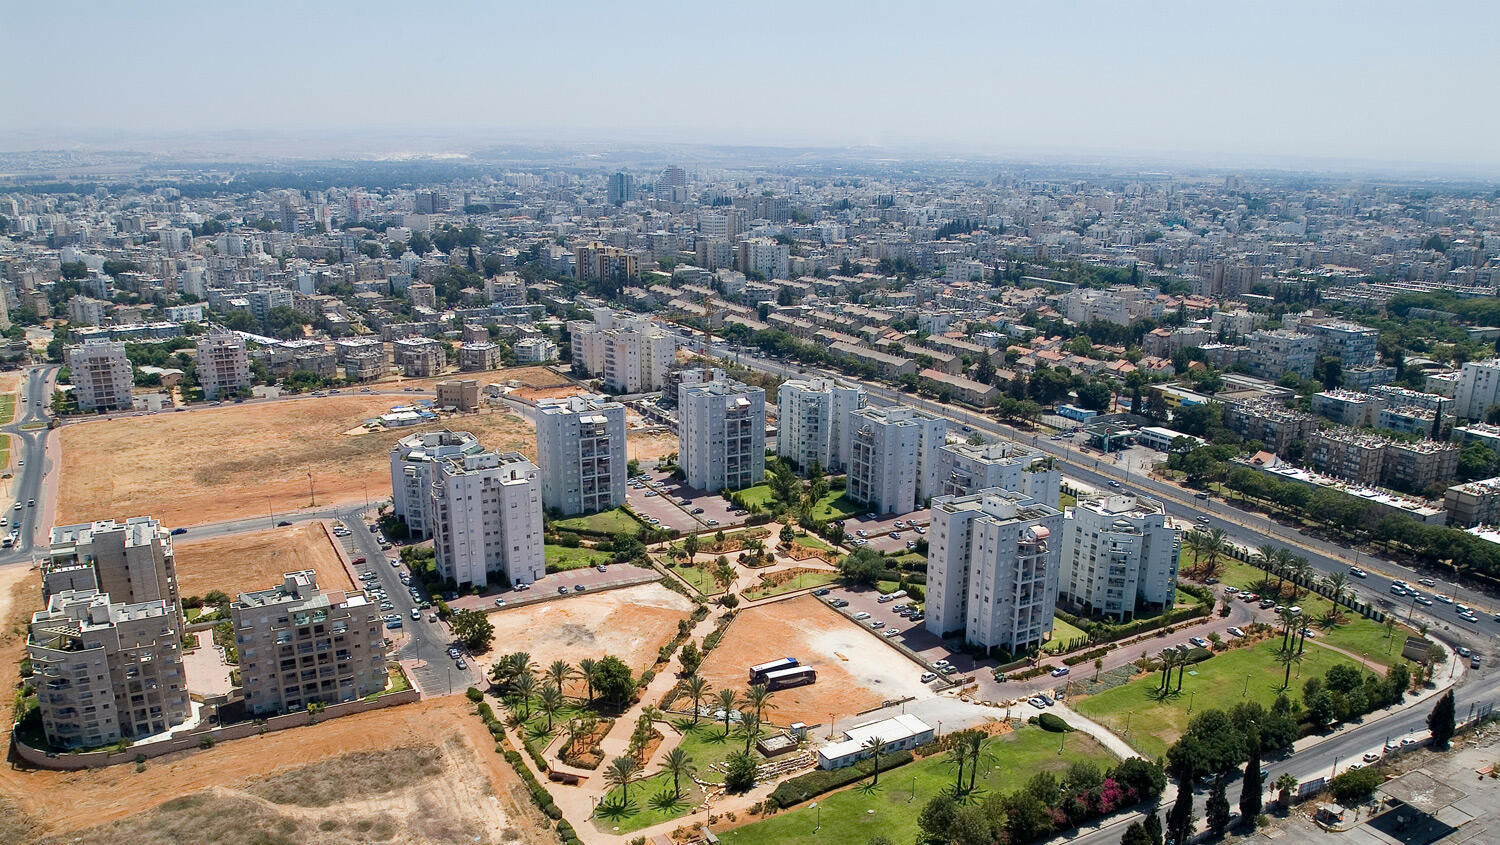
759	671
796	676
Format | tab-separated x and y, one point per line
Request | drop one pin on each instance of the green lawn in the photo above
836	505
1216	682
651	800
7	408
699	578
4	450
811	542
611	522
1062	634
758	496
901	793
562	558
908	558
1065	500
799	582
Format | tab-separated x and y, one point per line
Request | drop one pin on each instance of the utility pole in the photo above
311	494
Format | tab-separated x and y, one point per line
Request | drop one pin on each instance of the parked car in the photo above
928	677
1199	642
1234	632
358	561
1060	671
1358	573
821	591
861	616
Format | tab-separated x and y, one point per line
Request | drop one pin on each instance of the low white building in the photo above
898	733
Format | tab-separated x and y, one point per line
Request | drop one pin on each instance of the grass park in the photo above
698	576
563	558
833	505
7	408
610	522
651	799
1062	634
890	808
1151	722
800	581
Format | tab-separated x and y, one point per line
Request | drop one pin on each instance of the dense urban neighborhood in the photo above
521	500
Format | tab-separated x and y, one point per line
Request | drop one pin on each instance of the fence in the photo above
192	739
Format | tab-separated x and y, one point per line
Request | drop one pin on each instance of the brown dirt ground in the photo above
645	447
235	461
534	377
10	380
801	628
462	791
532	394
257	560
630	623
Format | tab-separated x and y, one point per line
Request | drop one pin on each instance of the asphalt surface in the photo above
29	446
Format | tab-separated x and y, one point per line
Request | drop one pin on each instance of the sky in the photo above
1311	81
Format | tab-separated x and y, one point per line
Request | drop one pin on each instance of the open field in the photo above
891	808
527	377
421	773
257	560
643	446
630	623
1216	682
561	558
856	671
614	521
237	461
11	380
7	408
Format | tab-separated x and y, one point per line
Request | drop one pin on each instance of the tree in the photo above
622	772
1441	721
1338	589
863	566
1251	787
758	699
1135	835
524	687
550	701
1096	396
696	686
1216	810
586	669
1354	785
787	535
958	757
727	699
690	658
560	672
1285	783
1180	817
1287	657
750	726
876	746
473	629
613	681
1153	828
678	763
739	772
690	545
937	815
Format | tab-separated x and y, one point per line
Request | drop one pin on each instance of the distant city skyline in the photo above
1386	84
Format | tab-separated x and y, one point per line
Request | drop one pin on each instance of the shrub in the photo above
1092	654
539	795
1052	722
474	695
566	832
1354	785
817	782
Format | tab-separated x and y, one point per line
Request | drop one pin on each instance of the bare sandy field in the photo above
631	623
257	560
422	773
10	380
243	460
648	447
855	670
528	377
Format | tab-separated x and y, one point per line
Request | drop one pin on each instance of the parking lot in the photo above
878	530
552	586
669	507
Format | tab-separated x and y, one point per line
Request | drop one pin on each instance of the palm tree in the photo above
525	686
622	772
1287	657
726	701
958	756
1338	587
876	746
1264	558
1287	618
1302	571
1169	659
561	671
678	763
1098	666
1196	542
586	669
1283	566
975	741
758	698
550	700
750	724
1215	546
696	687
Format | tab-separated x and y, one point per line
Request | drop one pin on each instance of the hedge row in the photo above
711	641
539	795
1092	654
819	781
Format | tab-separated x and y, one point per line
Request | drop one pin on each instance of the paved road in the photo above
28	446
1242	527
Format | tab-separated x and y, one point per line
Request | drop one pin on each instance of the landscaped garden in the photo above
1062	634
654	799
610	522
562	558
790	580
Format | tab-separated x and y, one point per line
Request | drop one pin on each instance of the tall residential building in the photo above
1119	556
595	260
101	375
992	569
411	472
964	468
672	185
299	645
1273	354
420	357
893	457
106	670
813	421
485	514
1478	389
580	444
621	188
633	354
223	365
132	562
721	434
771	259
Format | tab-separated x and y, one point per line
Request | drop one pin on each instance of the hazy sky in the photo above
1399	82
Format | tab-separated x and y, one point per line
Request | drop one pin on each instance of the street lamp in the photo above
819	807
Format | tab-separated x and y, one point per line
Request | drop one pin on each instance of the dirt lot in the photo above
648	447
855	670
528	377
422	773
256	561
10	380
236	461
630	623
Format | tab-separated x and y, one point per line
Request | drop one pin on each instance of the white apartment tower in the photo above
992	569
580	444
485	513
298	645
813	421
893	457
411	472
632	353
1118	554
721	434
106	670
101	375
1478	389
964	468
223	365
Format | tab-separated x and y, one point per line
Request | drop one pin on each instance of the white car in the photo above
861	616
1234	632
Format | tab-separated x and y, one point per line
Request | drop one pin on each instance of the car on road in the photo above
822	591
1114	484
282	524
1200	495
461	665
176	532
1060	671
1199	642
358	561
1444	599
499	602
1423	600
416	614
393	624
1427	582
562	590
1358	573
1464	652
578	588
1036	701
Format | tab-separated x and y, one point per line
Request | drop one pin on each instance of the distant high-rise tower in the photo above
621	188
672	185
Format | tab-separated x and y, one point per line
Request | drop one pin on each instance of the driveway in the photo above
878	530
